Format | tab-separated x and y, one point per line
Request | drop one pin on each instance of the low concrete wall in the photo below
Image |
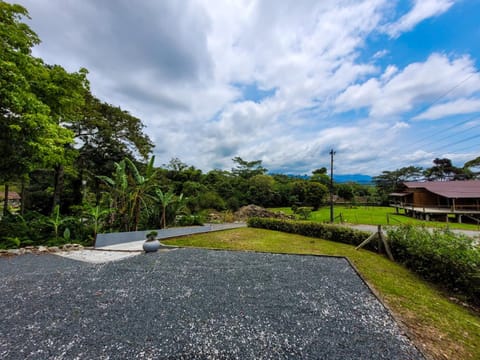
107	239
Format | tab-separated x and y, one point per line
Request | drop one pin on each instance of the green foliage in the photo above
441	256
313	229
247	169
130	193
211	200
165	199
189	220
303	211
56	220
96	216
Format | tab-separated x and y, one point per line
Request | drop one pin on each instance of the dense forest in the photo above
81	166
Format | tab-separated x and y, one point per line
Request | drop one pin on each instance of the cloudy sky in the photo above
384	83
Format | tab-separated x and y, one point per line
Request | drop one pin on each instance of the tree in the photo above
388	181
315	194
247	169
108	134
345	191
321	176
30	134
443	170
475	163
261	190
38	101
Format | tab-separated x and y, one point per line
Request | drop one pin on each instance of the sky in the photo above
383	83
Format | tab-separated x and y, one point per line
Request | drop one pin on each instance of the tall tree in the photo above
388	181
247	169
107	134
475	163
29	134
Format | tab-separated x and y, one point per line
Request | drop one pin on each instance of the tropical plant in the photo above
118	185
56	220
139	195
96	215
165	200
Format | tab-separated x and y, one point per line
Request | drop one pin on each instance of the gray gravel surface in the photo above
193	304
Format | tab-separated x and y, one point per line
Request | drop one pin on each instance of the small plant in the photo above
303	212
152	235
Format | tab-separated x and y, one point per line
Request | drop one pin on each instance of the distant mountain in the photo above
343	178
358	178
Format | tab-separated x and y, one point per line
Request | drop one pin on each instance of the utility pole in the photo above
331	185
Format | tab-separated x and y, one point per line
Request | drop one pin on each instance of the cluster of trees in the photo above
52	127
442	170
55	135
83	165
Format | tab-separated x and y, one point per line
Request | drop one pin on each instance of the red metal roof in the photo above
12	195
449	189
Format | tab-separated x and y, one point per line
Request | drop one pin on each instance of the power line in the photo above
447	136
449	91
430	135
458	142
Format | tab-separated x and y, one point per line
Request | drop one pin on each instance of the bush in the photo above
440	256
188	220
314	229
304	212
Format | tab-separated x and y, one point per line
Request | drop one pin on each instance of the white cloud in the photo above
175	64
398	92
422	9
457	107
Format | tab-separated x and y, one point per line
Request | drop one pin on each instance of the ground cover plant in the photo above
438	325
374	215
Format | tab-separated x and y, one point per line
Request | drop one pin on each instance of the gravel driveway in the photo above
193	304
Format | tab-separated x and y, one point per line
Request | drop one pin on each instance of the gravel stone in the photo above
193	304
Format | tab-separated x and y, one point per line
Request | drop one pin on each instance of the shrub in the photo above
440	256
304	212
313	229
188	220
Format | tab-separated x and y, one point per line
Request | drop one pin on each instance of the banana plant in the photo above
165	199
118	186
141	187
56	220
96	214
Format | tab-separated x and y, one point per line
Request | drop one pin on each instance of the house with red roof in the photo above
430	200
14	198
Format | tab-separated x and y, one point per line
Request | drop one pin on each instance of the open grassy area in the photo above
375	215
438	326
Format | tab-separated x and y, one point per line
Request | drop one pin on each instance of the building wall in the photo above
424	198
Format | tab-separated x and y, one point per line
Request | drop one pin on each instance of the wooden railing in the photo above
457	207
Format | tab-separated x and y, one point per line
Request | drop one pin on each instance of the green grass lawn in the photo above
374	215
441	328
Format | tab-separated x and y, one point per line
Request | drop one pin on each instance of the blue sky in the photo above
385	83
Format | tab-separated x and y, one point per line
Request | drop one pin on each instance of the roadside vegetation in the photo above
438	325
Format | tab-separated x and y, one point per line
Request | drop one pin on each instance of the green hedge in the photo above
314	229
440	256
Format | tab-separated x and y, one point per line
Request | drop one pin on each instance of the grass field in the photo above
374	215
441	328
